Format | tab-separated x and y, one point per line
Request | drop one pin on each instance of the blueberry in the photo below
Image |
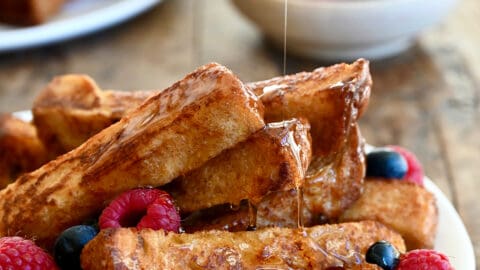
69	245
386	164
383	254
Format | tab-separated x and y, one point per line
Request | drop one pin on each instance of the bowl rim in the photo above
346	3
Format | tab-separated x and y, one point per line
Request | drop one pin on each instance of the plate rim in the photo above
445	210
68	27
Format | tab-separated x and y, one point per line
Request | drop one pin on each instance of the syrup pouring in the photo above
298	189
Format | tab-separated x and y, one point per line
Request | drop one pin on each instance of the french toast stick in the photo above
170	134
405	207
331	98
274	158
72	108
20	149
319	247
327	192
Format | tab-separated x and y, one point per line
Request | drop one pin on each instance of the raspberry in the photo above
415	170
423	259
141	208
19	253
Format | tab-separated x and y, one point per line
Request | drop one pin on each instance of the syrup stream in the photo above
198	26
298	189
252	217
285	15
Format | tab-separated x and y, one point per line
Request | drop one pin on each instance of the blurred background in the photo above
425	63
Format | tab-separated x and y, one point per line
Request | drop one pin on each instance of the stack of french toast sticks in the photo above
265	174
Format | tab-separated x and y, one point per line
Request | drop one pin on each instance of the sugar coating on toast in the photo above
170	134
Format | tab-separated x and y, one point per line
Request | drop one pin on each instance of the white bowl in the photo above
345	29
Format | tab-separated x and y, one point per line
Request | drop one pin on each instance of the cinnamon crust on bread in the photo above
319	247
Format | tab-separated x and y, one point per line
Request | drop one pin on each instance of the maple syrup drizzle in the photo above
285	16
299	191
197	26
298	188
252	217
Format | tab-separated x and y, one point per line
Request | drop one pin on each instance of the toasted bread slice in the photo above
320	247
331	98
72	108
326	194
405	207
172	133
274	158
20	149
328	189
28	12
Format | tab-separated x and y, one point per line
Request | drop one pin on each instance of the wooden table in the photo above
426	99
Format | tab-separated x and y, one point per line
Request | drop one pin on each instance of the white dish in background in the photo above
345	29
452	237
77	18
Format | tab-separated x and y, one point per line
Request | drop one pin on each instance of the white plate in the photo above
77	18
452	237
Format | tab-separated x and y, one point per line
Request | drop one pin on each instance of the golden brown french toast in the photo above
331	98
20	149
170	134
274	158
28	12
72	108
319	247
405	207
327	192
328	189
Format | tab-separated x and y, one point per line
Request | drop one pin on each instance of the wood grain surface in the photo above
426	99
